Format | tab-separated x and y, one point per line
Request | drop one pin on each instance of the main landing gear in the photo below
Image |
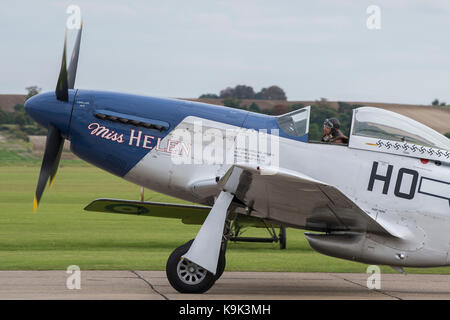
188	277
196	265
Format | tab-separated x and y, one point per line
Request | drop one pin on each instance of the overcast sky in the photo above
311	49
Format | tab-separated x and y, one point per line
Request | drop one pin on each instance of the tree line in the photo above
18	123
247	92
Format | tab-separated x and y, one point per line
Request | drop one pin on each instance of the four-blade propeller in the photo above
55	141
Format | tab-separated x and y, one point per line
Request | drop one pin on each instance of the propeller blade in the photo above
50	162
56	165
62	87
74	59
55	142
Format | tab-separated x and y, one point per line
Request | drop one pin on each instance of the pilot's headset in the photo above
332	123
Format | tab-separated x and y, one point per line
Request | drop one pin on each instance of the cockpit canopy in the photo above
394	133
295	123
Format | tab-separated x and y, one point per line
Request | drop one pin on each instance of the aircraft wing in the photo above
299	200
189	214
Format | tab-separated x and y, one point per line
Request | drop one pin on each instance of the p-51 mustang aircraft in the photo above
383	198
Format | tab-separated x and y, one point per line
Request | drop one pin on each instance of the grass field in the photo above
61	233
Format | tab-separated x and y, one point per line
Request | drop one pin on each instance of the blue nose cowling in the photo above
46	110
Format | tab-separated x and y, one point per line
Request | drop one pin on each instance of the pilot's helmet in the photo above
332	123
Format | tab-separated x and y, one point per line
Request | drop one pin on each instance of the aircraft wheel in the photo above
184	275
282	237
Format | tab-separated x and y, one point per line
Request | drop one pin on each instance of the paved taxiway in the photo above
232	285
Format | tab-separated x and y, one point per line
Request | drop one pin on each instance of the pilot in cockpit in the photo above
331	132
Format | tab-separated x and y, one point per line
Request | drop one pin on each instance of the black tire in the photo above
221	265
282	237
189	282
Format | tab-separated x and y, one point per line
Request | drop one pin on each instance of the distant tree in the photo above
344	107
20	117
323	102
238	92
227	93
6	117
280	109
254	107
232	102
19	108
244	92
209	96
32	91
447	135
271	93
315	132
297	106
247	92
436	102
24	124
